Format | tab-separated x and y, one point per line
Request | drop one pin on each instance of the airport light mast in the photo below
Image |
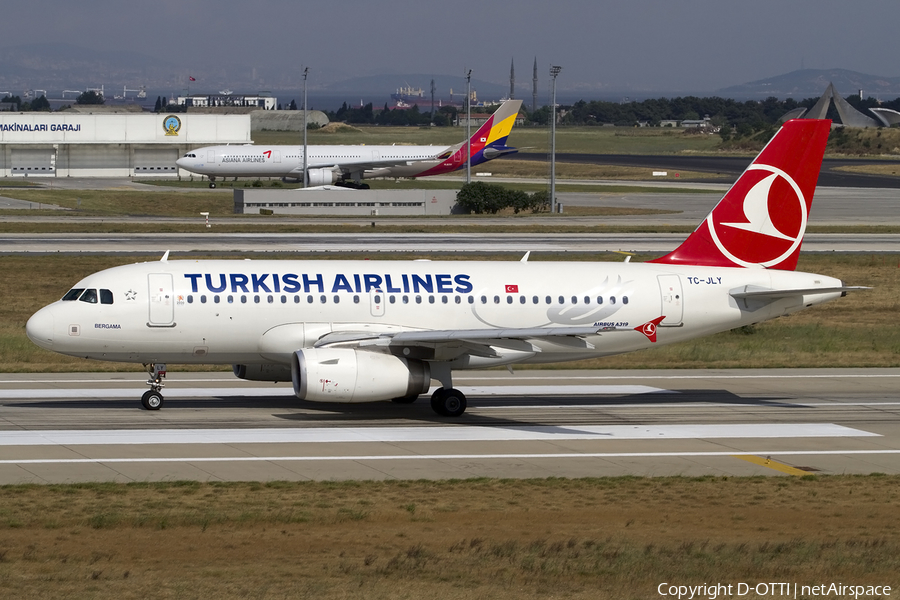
432	101
554	71
305	174
468	126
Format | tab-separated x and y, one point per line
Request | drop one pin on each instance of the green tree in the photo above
89	97
14	99
480	198
41	104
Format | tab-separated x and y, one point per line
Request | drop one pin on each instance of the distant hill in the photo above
56	65
811	83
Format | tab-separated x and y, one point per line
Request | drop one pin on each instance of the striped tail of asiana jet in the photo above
488	143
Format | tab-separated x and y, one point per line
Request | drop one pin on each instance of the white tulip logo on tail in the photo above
776	193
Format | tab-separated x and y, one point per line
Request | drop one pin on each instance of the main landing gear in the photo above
353	185
153	398
448	402
212	183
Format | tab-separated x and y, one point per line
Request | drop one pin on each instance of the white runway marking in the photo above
498	390
602	455
424	434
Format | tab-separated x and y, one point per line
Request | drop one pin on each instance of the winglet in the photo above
649	328
165	257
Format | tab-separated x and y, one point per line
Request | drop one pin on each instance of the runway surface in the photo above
832	206
728	167
429	243
89	427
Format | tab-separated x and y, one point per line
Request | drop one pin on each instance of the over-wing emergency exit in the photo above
359	331
349	165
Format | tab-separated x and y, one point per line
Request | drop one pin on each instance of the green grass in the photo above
591	140
119	202
18	182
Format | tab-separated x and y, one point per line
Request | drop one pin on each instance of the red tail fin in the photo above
761	220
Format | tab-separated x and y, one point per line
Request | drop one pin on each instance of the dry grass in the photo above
598	538
176	198
582	171
591	140
860	330
119	202
887	169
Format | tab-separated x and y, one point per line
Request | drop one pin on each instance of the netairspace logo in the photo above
775	590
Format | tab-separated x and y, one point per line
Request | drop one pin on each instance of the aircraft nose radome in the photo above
39	328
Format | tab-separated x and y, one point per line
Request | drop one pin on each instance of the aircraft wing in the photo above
479	342
350	166
434	336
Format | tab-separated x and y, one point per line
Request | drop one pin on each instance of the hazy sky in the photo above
699	45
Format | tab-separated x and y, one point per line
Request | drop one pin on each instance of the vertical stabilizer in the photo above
489	141
761	220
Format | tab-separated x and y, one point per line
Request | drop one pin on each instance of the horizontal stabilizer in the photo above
757	293
492	152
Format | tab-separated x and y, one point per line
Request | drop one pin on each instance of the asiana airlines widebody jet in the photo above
361	331
349	165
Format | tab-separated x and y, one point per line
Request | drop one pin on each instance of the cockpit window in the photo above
89	296
106	297
72	294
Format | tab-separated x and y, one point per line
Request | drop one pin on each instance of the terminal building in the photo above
68	144
222	99
849	116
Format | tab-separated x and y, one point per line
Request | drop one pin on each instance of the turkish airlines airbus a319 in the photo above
349	165
359	331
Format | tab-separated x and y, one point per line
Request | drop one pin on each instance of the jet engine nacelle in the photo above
348	375
316	177
273	373
322	177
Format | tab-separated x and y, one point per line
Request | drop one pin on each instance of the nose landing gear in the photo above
153	398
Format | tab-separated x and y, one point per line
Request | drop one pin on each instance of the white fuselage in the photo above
260	312
287	161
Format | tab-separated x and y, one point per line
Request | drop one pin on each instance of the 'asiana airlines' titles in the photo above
243	159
